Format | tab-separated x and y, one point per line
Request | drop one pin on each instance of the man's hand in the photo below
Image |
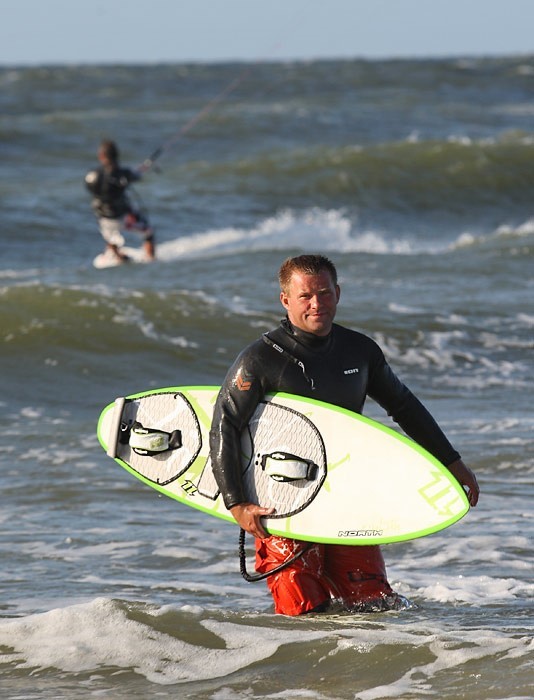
467	479
247	516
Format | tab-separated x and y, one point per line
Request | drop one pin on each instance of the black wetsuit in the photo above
110	200
342	368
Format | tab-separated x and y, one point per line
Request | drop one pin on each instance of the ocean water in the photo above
416	178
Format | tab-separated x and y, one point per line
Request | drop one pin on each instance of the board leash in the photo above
253	578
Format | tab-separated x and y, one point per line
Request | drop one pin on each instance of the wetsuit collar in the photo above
310	340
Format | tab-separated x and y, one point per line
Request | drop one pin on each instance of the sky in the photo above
43	32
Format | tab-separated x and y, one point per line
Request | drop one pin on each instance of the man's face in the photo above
104	158
311	302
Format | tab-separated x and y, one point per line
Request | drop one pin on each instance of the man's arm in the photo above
238	398
417	422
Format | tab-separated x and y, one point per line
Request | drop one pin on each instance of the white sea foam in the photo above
330	230
133	316
473	590
403	309
216	590
469	239
73	552
449	649
99	634
18	274
31	412
435	569
180	552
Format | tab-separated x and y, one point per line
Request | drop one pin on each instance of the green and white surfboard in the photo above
333	476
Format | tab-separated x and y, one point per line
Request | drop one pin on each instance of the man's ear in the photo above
284	300
338	291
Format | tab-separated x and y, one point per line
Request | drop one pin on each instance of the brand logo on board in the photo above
360	533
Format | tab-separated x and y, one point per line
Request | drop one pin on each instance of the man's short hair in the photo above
109	148
306	264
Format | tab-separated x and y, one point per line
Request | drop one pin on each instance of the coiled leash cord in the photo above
252	578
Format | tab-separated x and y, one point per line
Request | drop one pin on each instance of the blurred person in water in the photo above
111	204
307	355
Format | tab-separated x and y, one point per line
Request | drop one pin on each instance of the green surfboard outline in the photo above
195	469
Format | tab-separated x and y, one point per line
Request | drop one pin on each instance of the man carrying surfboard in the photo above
112	207
310	355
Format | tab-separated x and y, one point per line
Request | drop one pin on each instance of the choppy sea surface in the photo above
417	179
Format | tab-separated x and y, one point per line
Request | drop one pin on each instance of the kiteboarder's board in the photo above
333	476
109	259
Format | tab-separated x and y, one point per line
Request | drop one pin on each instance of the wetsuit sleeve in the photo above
92	182
131	175
406	410
238	398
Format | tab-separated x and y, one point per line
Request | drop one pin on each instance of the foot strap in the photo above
283	466
147	441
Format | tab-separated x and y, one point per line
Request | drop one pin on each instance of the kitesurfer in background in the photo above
308	354
108	184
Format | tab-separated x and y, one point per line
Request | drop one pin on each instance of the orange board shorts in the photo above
353	576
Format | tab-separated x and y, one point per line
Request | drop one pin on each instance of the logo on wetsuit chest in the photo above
354	370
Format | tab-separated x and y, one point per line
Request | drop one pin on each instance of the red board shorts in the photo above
354	576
